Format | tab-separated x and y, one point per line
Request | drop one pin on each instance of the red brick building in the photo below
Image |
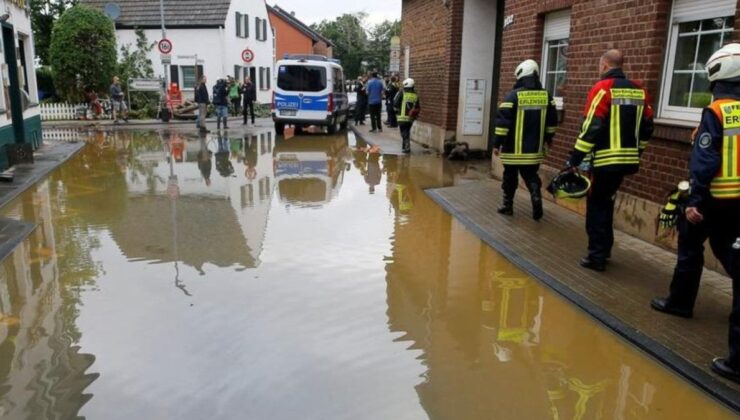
452	47
294	37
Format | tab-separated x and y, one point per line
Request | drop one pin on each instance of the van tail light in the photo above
330	105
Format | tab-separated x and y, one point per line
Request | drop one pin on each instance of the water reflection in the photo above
360	299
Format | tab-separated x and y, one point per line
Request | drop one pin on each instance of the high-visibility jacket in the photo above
525	121
618	122
406	101
715	158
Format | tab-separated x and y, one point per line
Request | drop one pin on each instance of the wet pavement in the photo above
256	277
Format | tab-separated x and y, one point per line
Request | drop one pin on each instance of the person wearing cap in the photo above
617	124
407	106
713	203
525	125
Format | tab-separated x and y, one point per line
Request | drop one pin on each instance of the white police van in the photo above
310	91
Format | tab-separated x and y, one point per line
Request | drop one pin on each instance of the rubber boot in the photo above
507	208
537	211
406	146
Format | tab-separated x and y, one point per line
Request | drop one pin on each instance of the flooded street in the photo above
173	276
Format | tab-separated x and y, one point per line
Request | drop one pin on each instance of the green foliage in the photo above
44	14
82	52
353	44
133	64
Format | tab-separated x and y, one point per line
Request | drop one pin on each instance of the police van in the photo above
310	91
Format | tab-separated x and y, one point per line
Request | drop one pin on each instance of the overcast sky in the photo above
314	11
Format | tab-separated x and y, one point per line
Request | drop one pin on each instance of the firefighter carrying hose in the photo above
713	203
618	122
525	125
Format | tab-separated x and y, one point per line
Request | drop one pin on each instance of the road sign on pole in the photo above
166	58
247	55
165	46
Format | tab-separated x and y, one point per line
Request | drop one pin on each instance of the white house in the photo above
20	120
216	31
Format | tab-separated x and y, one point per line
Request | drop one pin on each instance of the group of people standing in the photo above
618	122
227	91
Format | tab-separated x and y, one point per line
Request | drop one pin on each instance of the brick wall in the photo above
433	32
640	29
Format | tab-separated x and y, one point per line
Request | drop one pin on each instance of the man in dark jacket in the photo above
525	123
201	98
221	102
249	96
393	89
361	107
618	122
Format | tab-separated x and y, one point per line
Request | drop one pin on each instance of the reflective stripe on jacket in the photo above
726	182
409	101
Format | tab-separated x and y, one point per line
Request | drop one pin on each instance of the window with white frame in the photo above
242	25
698	29
555	52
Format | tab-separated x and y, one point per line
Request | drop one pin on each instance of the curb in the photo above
701	378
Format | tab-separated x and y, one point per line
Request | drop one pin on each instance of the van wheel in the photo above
279	129
332	128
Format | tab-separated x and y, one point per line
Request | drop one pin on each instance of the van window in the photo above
302	78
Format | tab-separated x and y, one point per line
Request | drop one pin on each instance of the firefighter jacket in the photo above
618	122
715	157
404	103
525	121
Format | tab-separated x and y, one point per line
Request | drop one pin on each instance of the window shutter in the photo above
557	25
264	30
238	25
246	26
198	73
257	28
269	81
262	78
690	10
174	74
237	70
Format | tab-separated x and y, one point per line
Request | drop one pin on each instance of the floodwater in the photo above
178	277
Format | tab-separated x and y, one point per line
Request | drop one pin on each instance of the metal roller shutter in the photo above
689	10
557	25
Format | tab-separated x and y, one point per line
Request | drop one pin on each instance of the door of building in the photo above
13	88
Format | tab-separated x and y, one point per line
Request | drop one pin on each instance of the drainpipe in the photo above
223	56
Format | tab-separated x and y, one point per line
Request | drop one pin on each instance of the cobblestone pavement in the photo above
550	250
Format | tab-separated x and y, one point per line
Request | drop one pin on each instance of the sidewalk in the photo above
142	124
389	140
549	250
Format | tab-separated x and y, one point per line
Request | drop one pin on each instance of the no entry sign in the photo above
247	55
165	46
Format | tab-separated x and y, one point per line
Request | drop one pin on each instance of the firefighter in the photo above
713	203
618	122
525	125
407	107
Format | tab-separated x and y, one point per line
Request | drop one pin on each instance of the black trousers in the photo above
360	112
235	104
248	106
511	180
600	214
392	121
405	128
721	226
375	119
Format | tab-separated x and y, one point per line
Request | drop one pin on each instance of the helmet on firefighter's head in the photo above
569	185
408	83
527	68
724	64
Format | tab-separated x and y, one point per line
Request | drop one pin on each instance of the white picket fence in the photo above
67	135
60	111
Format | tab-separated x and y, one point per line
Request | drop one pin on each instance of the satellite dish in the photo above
112	10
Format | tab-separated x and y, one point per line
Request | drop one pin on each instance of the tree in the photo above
349	38
135	63
44	14
378	53
82	52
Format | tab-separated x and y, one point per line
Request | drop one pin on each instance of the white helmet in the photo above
725	63
408	83
527	68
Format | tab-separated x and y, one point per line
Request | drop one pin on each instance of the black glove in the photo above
669	213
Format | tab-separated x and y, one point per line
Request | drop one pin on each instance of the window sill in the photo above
676	123
33	105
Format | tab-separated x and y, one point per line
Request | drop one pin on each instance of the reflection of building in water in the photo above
310	170
41	371
493	343
181	169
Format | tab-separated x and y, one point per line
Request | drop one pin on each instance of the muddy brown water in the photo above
251	277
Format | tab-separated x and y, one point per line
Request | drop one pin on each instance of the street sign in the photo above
145	85
247	55
395	62
165	46
166	58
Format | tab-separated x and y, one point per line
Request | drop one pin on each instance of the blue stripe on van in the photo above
305	103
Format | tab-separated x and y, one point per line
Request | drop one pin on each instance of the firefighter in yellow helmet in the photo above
525	124
713	203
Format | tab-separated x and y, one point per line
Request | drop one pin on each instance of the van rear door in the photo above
304	88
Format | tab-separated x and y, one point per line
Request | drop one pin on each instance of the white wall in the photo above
22	26
479	35
219	48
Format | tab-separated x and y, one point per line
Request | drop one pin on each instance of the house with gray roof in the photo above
216	38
